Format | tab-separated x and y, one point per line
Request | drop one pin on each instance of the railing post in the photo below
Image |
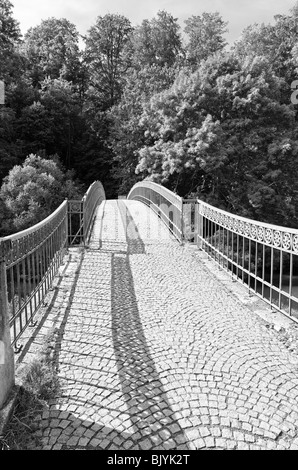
199	222
85	221
67	225
182	222
7	376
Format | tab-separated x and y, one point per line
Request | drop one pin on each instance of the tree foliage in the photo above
126	136
275	42
32	191
12	67
107	57
223	124
157	42
52	50
205	36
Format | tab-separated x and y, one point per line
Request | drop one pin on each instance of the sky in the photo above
83	13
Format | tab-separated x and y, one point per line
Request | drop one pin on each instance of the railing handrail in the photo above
87	199
83	210
159	188
34	228
91	187
279	228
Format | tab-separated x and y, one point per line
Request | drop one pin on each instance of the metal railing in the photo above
166	204
81	214
30	259
262	256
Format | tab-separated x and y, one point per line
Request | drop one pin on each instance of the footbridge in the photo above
155	344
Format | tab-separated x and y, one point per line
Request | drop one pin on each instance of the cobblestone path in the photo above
154	352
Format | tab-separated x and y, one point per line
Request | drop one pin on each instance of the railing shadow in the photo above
148	406
135	244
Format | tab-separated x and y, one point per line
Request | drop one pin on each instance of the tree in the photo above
35	189
9	38
62	104
17	91
205	36
126	136
276	42
94	158
9	151
5	221
53	123
52	50
107	58
157	42
10	32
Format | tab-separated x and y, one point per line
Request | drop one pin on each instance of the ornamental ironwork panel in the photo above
270	235
262	256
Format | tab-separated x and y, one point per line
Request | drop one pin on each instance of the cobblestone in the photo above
155	352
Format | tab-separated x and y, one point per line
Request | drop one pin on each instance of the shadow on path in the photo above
146	399
134	241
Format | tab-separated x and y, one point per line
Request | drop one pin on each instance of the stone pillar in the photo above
7	376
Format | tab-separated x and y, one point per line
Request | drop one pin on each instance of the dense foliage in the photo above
148	101
33	190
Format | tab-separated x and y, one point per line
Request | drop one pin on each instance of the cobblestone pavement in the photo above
155	352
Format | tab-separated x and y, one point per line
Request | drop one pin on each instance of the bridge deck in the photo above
154	352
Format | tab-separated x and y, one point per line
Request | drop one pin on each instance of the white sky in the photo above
83	13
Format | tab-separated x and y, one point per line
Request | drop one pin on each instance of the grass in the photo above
39	384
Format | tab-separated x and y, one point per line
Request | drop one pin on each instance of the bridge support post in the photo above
7	372
200	228
84	215
182	223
